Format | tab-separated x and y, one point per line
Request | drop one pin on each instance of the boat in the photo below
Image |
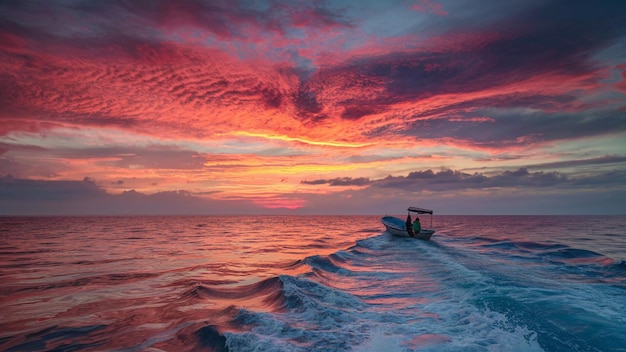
397	226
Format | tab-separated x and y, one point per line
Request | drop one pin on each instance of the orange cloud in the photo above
245	102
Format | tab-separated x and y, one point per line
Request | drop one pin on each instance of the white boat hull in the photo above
422	235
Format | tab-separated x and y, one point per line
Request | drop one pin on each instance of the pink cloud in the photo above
161	85
622	84
428	6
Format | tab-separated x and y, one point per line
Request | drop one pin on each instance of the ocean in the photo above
312	283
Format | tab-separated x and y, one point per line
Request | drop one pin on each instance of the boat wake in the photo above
409	295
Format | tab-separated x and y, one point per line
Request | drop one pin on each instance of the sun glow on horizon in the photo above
300	140
311	105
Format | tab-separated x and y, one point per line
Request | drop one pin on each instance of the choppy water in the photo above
312	284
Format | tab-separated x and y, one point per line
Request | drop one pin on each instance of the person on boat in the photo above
417	226
409	228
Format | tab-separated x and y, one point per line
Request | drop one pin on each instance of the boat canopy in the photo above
420	210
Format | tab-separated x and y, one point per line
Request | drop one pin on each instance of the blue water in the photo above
504	283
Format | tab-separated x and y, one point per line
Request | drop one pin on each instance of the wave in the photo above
335	307
618	266
265	295
558	253
331	264
440	295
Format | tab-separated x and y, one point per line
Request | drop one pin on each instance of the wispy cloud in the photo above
340	181
238	99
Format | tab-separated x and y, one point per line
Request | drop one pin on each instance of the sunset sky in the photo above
312	107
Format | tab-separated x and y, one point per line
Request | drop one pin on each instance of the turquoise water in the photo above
312	283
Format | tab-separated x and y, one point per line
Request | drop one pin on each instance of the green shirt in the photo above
417	226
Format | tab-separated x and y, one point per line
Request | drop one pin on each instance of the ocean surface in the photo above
312	283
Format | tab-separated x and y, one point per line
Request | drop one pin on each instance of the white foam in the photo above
381	341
